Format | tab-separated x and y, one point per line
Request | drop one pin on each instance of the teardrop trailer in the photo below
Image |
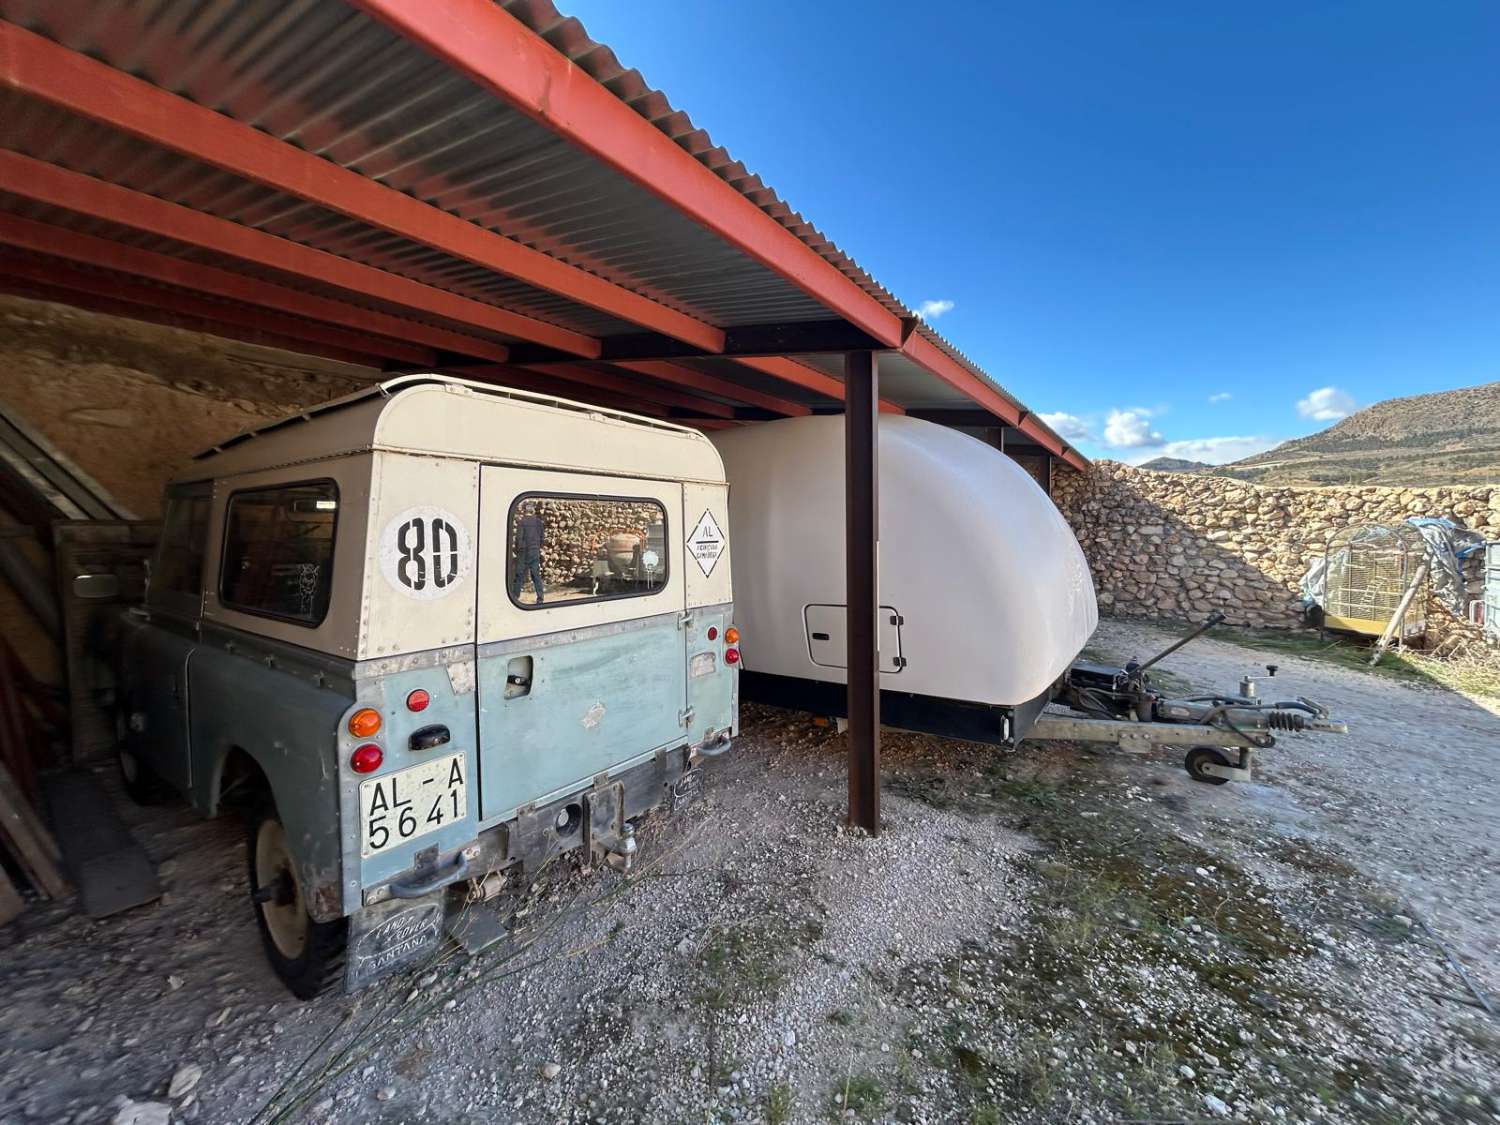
986	603
429	635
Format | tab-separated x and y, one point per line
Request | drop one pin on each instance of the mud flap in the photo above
391	936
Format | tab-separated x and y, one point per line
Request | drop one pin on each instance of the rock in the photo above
1187	1072
385	1093
551	1070
789	1038
142	1113
1216	1106
185	1080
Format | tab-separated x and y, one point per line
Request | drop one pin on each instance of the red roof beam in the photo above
46	183
89	250
73	279
928	355
479	39
683	376
505	376
804	375
111	306
42	69
630	385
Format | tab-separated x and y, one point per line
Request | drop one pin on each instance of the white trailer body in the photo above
986	597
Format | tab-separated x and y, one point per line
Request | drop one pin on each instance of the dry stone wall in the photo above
1180	546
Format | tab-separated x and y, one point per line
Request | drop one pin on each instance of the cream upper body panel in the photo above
447	417
414	567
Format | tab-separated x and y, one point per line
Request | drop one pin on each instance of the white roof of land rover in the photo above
438	415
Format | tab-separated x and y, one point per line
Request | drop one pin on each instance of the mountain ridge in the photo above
1442	437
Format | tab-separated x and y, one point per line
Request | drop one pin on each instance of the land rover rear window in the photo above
278	551
585	548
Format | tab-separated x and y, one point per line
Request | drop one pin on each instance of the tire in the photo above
143	785
308	956
1200	756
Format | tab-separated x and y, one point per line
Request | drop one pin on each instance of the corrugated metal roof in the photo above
327	79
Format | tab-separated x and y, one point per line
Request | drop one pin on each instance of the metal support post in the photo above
861	555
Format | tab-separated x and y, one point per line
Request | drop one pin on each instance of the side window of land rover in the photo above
278	551
184	535
585	548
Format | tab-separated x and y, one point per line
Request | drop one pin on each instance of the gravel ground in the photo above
1050	935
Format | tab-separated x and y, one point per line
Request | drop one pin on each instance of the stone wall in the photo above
1180	546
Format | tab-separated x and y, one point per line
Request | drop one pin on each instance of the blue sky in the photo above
1177	228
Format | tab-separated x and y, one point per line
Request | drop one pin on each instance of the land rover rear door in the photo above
581	655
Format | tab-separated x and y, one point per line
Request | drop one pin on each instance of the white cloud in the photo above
1069	427
1221	396
1210	450
1326	404
1130	429
931	310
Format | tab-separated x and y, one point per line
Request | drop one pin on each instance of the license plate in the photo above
701	665
399	807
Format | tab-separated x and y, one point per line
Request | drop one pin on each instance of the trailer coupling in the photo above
1223	732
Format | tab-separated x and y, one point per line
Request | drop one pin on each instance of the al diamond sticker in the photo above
706	543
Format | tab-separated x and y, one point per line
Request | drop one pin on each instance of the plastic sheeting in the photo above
1448	545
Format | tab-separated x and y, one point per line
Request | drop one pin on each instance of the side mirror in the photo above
96	587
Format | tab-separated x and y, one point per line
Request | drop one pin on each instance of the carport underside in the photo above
468	187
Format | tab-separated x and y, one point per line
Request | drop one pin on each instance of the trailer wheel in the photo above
1200	756
308	956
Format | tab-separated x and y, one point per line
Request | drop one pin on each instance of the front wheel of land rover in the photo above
308	956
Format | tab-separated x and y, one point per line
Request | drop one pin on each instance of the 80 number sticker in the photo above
425	552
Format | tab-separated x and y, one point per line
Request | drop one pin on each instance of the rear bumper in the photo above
590	817
401	921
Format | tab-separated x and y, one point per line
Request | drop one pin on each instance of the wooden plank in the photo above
29	840
11	903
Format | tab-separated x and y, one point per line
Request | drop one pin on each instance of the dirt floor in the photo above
1048	935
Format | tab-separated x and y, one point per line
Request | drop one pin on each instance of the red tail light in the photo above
731	656
418	700
367	758
713	632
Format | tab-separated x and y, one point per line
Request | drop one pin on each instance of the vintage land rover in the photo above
427	636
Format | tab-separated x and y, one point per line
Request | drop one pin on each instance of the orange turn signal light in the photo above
731	636
364	723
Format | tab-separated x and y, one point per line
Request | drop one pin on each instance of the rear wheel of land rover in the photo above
308	956
142	783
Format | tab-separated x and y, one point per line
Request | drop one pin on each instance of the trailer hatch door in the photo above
827	641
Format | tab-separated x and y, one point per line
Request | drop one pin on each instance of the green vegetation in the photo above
864	1094
779	1104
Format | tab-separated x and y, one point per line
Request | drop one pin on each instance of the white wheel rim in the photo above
286	922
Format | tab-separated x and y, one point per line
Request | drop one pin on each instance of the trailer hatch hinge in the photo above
684	619
685	717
